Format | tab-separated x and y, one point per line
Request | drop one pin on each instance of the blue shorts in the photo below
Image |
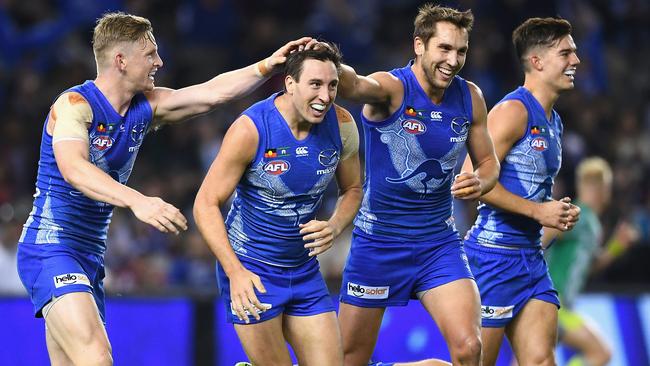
297	291
49	270
507	279
383	273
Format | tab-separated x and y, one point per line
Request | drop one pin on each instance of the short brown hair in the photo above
536	32
429	15
113	28
294	64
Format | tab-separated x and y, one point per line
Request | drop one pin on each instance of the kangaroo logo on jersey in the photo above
102	143
414	127
539	144
429	169
277	167
329	157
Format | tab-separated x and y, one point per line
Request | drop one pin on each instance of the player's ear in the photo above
418	46
119	60
289	84
536	62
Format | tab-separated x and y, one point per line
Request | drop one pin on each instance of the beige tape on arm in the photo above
349	133
262	68
72	117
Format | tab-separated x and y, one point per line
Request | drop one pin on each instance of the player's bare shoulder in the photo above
348	131
70	116
343	115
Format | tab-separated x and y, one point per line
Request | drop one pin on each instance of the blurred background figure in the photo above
573	255
44	47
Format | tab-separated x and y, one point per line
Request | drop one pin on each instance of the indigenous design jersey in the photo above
569	259
410	160
527	171
282	187
64	215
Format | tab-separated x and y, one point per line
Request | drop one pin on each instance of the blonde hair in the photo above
114	28
594	170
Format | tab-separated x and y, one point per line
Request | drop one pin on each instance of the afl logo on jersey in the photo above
102	142
276	167
539	144
414	127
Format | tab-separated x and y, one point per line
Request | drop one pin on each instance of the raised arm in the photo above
171	105
382	92
68	122
320	235
237	151
507	124
470	184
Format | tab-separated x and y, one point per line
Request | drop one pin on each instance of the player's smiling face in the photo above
313	95
144	62
560	62
443	55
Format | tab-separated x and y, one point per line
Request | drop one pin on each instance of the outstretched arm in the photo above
507	124
68	122
172	106
481	152
382	92
237	151
320	235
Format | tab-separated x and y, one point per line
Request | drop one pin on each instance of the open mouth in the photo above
318	108
570	73
446	72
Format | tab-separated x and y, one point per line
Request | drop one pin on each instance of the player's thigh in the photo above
264	342
56	353
456	309
359	329
491	338
533	333
74	322
315	339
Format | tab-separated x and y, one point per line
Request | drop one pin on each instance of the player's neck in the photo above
545	95
117	94
298	126
434	94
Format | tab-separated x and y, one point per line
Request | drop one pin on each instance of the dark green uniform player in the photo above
577	253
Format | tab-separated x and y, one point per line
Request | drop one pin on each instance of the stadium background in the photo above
161	306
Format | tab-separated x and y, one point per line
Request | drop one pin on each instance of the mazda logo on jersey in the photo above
102	142
539	144
413	126
137	132
329	157
277	167
460	125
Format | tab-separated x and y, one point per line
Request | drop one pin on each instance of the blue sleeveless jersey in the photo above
282	187
410	160
528	170
63	215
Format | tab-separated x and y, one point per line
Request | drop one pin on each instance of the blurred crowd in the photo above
45	48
